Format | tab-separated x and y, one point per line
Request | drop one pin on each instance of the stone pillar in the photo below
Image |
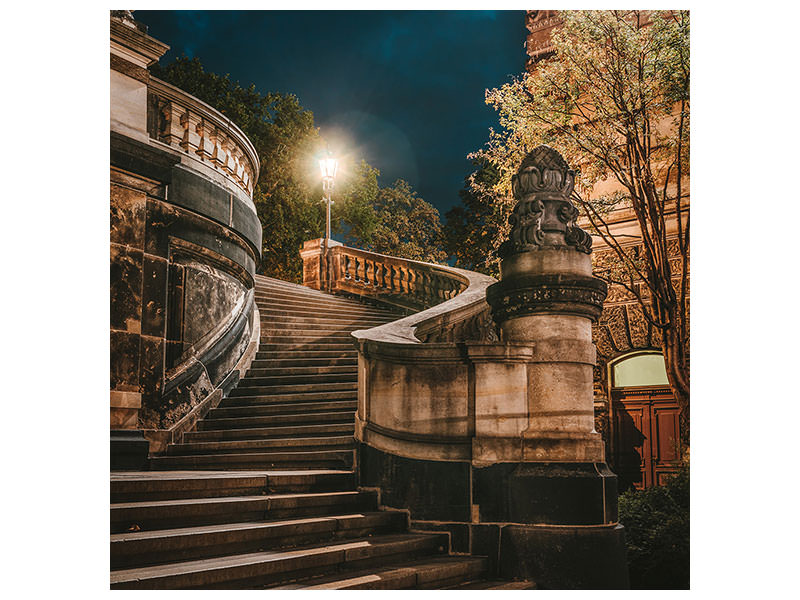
313	256
547	299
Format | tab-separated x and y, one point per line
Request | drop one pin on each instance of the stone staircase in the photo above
263	494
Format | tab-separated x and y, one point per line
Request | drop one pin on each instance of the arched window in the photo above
641	369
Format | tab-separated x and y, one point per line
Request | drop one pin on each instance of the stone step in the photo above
349	375
319	306
344	442
288	459
425	573
311	339
274	567
318	344
301	325
290	419
290	297
494	585
270	432
280	408
142	548
278	334
331	321
129	486
264	399
300	354
292	365
277	313
264	390
269	369
297	308
190	512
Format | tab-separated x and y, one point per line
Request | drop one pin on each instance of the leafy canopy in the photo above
288	194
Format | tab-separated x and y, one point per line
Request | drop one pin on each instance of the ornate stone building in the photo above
184	243
634	407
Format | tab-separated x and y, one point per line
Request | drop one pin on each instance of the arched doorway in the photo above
645	420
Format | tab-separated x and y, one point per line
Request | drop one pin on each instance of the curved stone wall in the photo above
185	239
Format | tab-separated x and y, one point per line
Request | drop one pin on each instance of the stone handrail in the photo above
413	382
452	300
187	124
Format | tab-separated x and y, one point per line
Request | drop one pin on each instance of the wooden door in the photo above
645	435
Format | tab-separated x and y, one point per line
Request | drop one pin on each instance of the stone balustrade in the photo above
408	284
201	132
414	377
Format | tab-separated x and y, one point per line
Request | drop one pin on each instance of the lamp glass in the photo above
328	167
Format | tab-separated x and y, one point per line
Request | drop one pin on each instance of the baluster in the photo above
356	270
376	269
436	289
367	267
347	267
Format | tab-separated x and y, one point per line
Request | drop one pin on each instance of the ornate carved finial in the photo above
543	170
126	16
542	188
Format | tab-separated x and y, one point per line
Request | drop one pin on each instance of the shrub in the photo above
656	524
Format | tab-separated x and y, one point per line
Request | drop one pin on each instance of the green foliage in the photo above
613	85
656	523
408	227
287	198
288	194
471	227
353	215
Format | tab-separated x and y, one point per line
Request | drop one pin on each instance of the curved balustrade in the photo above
202	132
405	283
415	373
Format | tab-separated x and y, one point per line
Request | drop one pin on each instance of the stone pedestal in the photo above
314	268
562	493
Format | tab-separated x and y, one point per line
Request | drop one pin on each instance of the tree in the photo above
614	100
470	228
353	213
408	227
287	195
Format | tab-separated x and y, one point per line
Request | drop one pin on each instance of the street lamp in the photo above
327	166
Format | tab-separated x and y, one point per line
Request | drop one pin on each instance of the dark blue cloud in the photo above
405	88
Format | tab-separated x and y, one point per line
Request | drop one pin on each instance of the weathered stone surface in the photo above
127	216
565	558
154	296
126	289
124	361
210	298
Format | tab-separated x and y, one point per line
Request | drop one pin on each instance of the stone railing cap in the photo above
402	331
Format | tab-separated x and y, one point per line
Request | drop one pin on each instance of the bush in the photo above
656	524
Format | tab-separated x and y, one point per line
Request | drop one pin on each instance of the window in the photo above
640	370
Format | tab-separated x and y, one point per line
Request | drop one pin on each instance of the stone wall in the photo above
184	240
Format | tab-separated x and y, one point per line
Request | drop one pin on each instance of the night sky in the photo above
402	89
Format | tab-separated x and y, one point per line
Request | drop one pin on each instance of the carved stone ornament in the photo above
554	294
542	187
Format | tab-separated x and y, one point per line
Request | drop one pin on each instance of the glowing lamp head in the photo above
328	167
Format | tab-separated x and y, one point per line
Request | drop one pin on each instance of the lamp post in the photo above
327	166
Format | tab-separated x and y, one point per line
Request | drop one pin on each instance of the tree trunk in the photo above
678	376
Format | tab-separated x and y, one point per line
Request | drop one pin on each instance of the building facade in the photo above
634	407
